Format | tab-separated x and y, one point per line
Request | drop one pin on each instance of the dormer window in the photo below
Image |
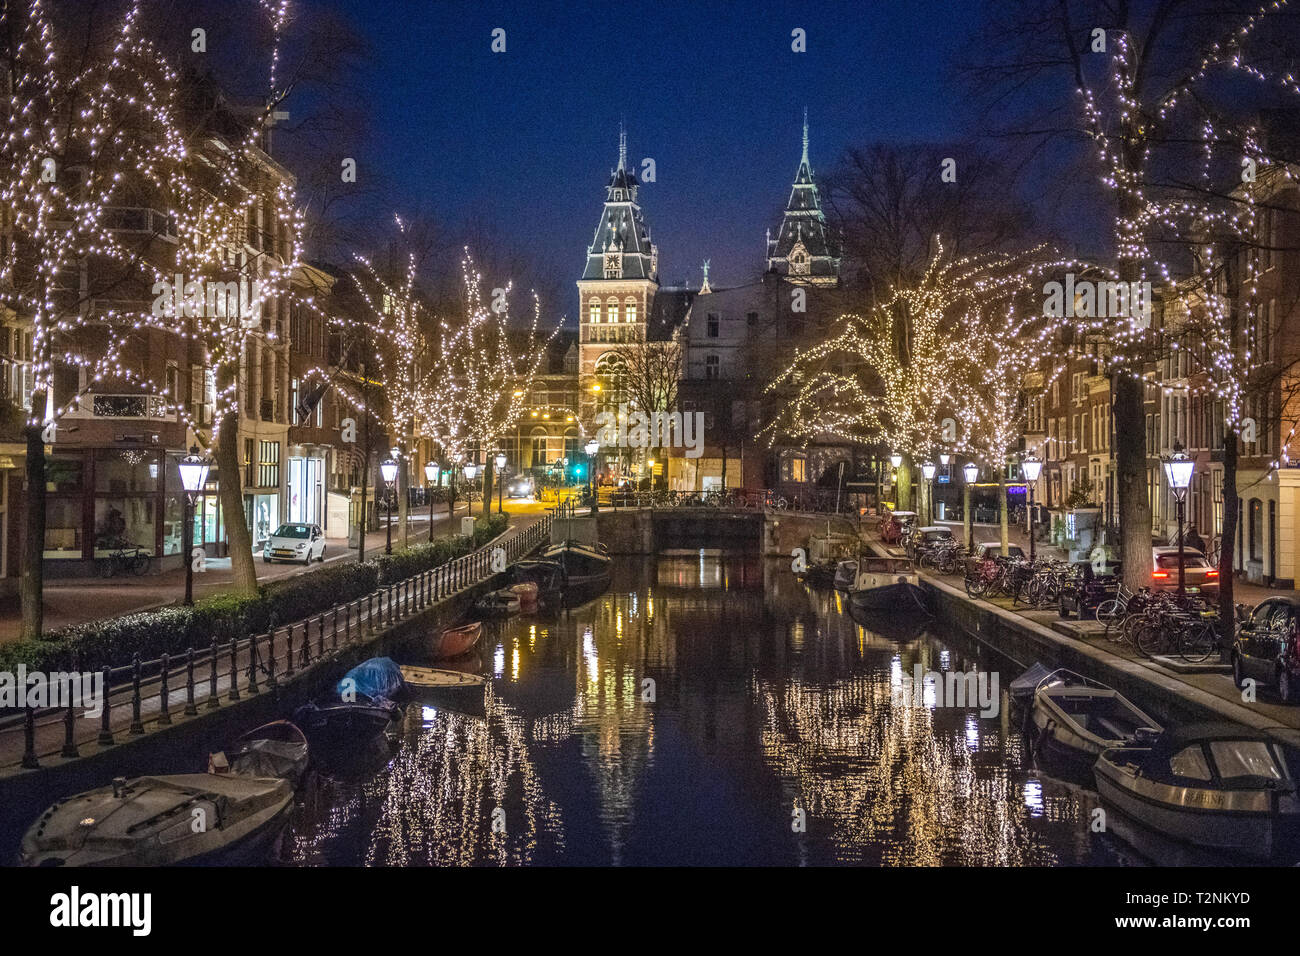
799	260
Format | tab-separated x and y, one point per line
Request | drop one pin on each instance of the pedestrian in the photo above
1193	540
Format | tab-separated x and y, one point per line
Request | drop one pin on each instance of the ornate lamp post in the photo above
431	481
897	461
388	470
1178	470
1031	468
927	472
593	493
194	476
471	470
972	473
500	462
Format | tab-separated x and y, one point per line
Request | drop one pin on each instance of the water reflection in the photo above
682	718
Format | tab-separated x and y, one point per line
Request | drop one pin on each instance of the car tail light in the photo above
1160	574
1212	573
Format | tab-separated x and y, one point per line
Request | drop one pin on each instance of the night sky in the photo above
712	91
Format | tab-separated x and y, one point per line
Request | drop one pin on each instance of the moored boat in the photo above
455	641
548	576
363	704
1219	786
277	749
886	584
1079	718
846	572
586	570
161	821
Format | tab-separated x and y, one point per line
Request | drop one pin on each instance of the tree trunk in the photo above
903	487
1002	510
487	486
1227	543
32	584
244	573
1131	476
403	496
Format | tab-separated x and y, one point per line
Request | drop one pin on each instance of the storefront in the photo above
307	489
100	500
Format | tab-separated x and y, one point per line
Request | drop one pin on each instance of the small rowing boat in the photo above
455	641
1079	718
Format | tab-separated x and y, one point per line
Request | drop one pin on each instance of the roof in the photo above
667	312
1175	739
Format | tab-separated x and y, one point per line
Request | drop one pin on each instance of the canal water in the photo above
707	710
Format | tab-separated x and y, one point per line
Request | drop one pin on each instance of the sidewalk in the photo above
77	600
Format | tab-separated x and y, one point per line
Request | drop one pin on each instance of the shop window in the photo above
268	464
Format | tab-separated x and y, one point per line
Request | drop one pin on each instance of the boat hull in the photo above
1081	722
903	597
455	641
1244	823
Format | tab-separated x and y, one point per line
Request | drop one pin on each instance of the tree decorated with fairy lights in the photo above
919	357
490	367
1160	92
89	124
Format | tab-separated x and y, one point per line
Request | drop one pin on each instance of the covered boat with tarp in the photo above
378	678
363	704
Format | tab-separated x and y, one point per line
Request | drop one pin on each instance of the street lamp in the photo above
593	492
194	476
1178	470
430	481
500	462
927	472
388	470
1031	468
972	474
471	470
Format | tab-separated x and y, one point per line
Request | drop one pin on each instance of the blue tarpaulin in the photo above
378	678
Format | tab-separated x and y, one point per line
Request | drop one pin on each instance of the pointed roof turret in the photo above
622	233
803	245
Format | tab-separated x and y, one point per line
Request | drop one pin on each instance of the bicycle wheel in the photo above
1199	643
1150	639
976	586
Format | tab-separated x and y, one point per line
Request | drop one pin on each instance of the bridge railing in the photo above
763	499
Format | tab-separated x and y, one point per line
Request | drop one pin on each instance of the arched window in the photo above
611	373
539	442
611	310
593	311
629	310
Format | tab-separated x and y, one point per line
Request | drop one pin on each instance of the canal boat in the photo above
454	641
363	704
819	576
440	678
497	604
586	569
1078	718
886	585
277	749
548	576
229	815
1218	786
846	572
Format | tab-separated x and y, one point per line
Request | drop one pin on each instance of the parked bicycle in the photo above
127	559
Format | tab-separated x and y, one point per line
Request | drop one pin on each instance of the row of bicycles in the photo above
1034	584
1162	623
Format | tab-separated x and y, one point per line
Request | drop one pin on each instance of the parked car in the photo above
991	549
1086	592
1266	649
1198	575
295	542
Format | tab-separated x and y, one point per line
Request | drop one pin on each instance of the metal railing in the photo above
203	677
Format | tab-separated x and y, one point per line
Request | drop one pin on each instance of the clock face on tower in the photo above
612	267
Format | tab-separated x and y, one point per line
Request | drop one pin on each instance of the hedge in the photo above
173	629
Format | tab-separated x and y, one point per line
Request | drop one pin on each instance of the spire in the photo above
622	146
704	289
805	135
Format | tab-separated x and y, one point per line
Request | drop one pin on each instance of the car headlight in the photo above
300	547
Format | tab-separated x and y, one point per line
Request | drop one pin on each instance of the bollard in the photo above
213	701
137	725
234	669
164	711
288	656
29	741
105	727
190	709
252	664
69	729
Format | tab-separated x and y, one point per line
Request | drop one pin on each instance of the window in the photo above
751	319
593	311
1244	758
611	310
713	325
268	464
629	310
711	367
796	469
1190	763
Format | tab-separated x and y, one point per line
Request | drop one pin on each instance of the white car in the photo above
295	542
